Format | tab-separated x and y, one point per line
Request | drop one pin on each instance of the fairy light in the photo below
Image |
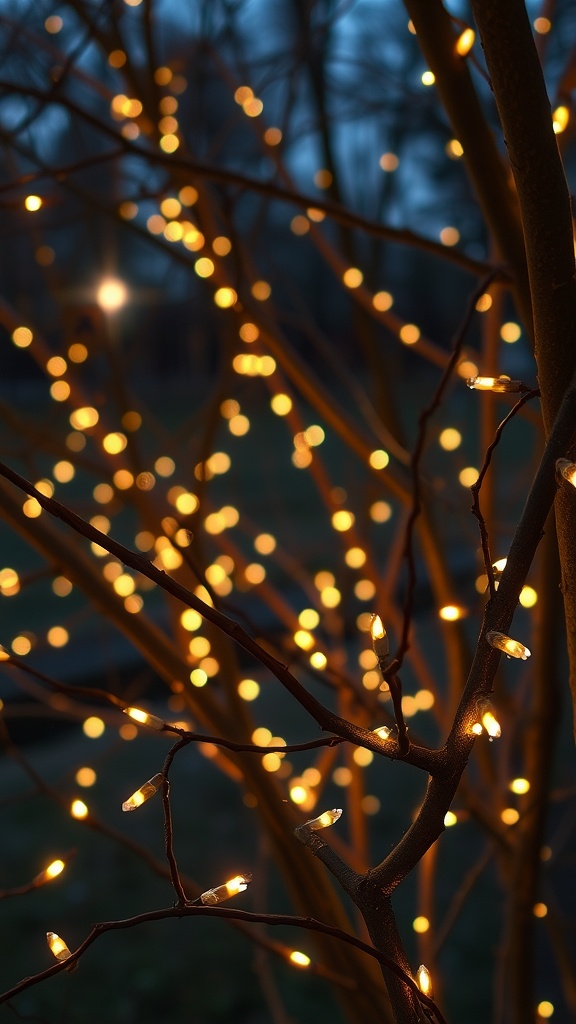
380	642
488	721
143	794
450	819
497	384
324	820
57	946
223	892
513	648
567	470
299	959
519	786
52	871
424	980
383	731
465	42
560	119
144	718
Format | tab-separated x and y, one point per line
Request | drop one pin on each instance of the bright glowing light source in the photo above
225	297
355	558
112	294
484	303
198	677
509	816
169	143
21	645
117	59
324	820
84	418
248	689
567	470
143	718
493	384
318	660
343	520
424	980
519	786
465	42
342	777
123	479
545	1009
56	366
299	959
362	757
409	334
450	439
57	636
281	404
428	78
450	613
382	301
188	195
52	871
510	332
33	203
224	892
477	729
468	476
60	390
528	597
383	731
299	794
143	794
450	819
78	809
491	724
22	337
352	277
421	924
63	472
540	910
309	618
513	648
379	459
560	119
454	149
57	946
265	543
389	162
252	107
303	639
9	582
542	25
93	727
204	267
330	597
186	503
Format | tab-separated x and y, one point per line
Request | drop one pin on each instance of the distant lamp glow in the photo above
424	980
57	946
224	892
143	794
499	384
112	294
566	470
324	820
300	959
380	642
513	648
143	718
33	203
560	119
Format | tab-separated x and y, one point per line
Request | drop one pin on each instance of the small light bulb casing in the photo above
144	718
424	981
497	384
143	794
324	820
57	946
380	641
513	648
223	892
52	871
566	470
383	731
487	721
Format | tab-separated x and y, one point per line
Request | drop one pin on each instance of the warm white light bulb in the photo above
223	892
325	819
513	648
496	384
112	294
380	642
143	794
57	946
424	980
143	718
567	470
